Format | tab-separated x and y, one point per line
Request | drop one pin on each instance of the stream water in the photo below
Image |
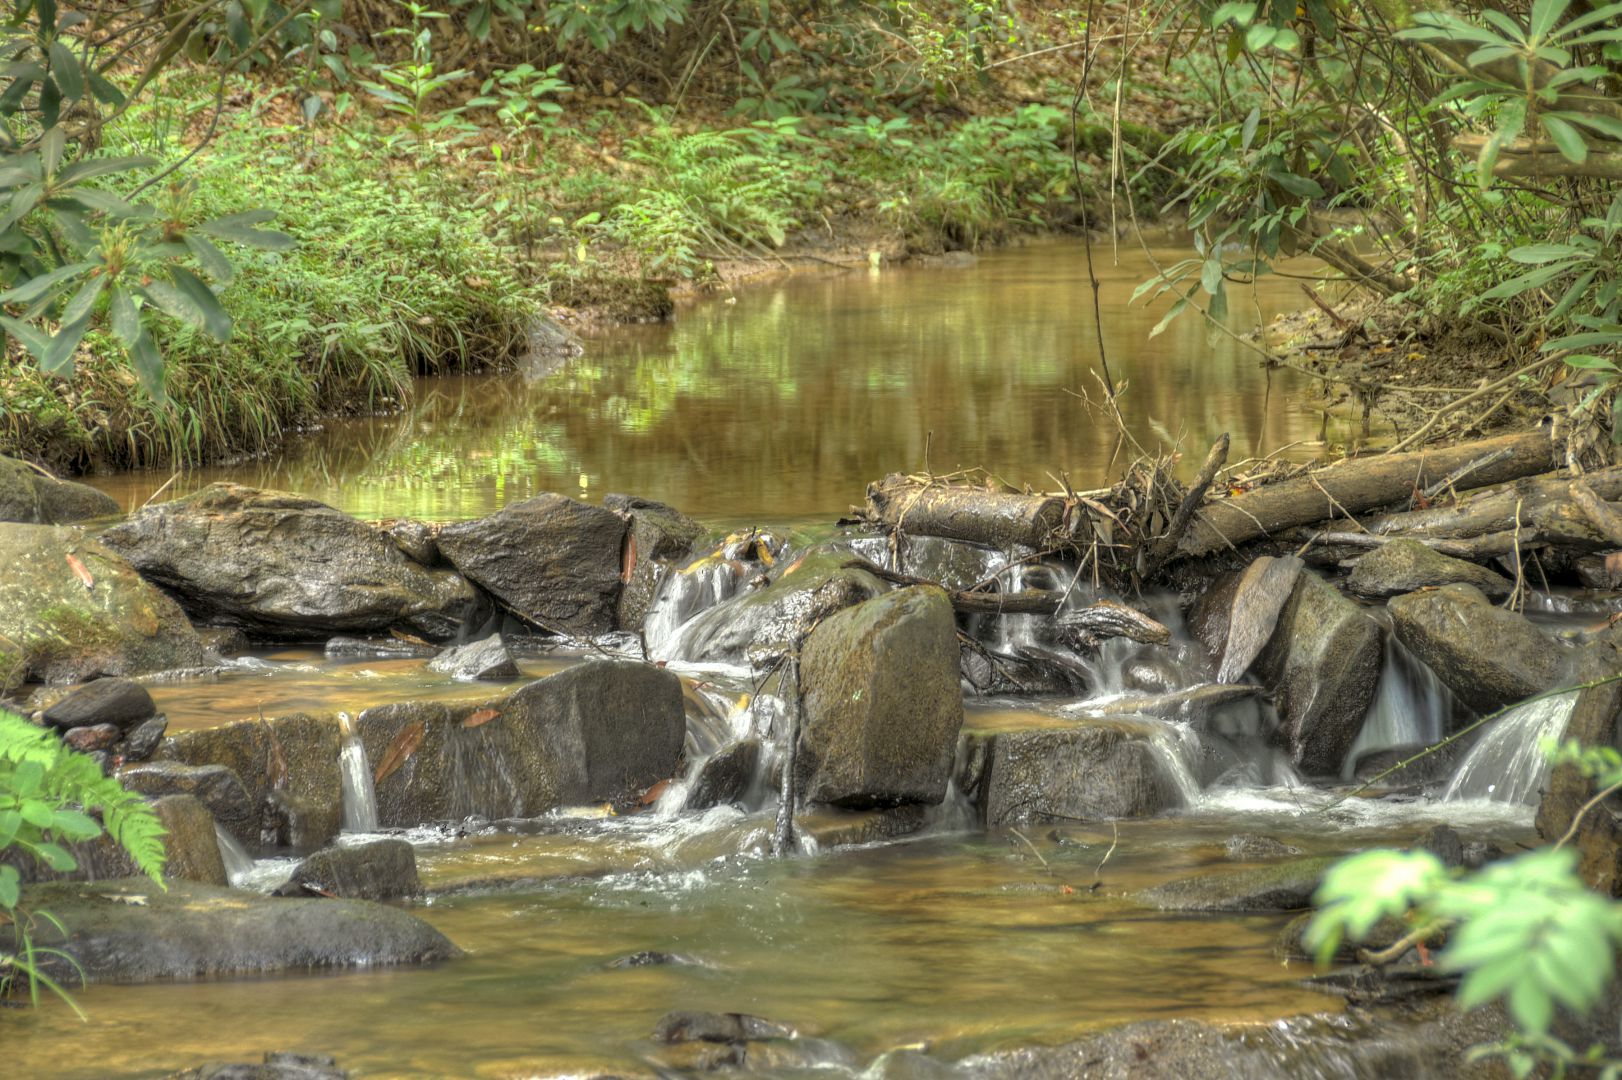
779	408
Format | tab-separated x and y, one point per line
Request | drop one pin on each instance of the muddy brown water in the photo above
783	404
777	408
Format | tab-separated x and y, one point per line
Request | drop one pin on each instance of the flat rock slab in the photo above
1406	565
1285	886
130	931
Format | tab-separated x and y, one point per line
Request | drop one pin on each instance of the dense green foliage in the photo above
47	794
1465	163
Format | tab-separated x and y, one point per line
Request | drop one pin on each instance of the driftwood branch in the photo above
963	512
1165	545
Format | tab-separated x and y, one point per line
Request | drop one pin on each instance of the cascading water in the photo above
238	863
355	775
1411	707
1508	763
684	594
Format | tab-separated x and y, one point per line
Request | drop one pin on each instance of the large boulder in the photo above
29	496
1091	771
597	732
658	536
217	787
1323	665
551	561
190	842
278	565
770	620
57	629
129	930
1405	565
289	767
378	870
1486	655
1237	617
882	706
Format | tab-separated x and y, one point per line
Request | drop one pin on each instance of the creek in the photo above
777	409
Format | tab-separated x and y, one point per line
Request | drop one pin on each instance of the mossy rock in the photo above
56	628
1285	886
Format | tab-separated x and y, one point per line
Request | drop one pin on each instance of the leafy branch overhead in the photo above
88	238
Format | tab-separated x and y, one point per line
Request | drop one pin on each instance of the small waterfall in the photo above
359	796
1508	763
1177	749
682	595
238	863
1411	706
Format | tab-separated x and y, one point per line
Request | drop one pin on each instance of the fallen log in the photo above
1359	485
963	512
1543	509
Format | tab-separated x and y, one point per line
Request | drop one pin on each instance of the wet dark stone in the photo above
33	498
1444	842
1486	655
217	787
124	703
298	752
1254	847
418	541
296	821
282	566
131	931
882	704
278	1065
1286	886
1406	565
682	1026
486	659
94	737
223	641
551	561
1092	771
378	870
660	535
1478	853
140	743
190	842
653	958
725	775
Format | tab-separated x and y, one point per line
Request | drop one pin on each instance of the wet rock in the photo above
293	757
190	843
487	659
143	741
223	641
1236	618
1444	842
32	498
1291	941
767	621
277	1065
551	561
122	703
1406	565
1430	768
1593	722
281	566
92	738
1602	571
1024	670
1286	886
658	536
344	647
1095	770
597	732
725	775
55	630
1254	847
1201	705
683	1026
417	541
217	787
378	870
882	706
130	931
951	564
653	958
1478	853
1323	665
1486	655
829	827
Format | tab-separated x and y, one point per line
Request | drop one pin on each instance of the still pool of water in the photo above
783	405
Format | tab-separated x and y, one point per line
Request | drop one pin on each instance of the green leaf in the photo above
1535	254
90	168
84	301
1166	320
35	288
65	70
216	322
1301	186
58	359
10	886
36	342
1526	282
1247	134
238	228
126	319
52	145
55	856
1590	362
210	258
148	364
1545	15
75	825
1570	143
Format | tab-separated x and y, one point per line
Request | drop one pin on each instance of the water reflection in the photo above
783	405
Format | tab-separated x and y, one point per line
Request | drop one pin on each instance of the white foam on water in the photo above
1508	762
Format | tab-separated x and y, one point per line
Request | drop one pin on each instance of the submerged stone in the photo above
57	629
683	1026
277	1065
129	930
283	566
882	704
1486	655
1285	886
1406	565
377	870
551	561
